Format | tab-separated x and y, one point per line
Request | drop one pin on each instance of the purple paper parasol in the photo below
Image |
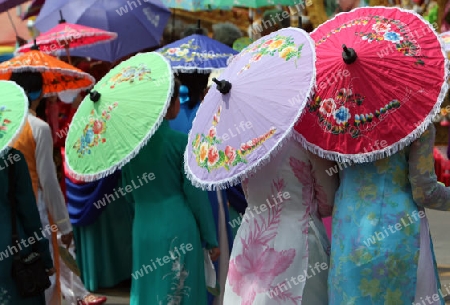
251	110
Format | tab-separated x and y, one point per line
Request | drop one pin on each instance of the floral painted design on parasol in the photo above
130	74
190	51
446	38
119	116
13	113
373	91
335	113
204	147
284	46
5	122
246	117
385	29
197	53
94	130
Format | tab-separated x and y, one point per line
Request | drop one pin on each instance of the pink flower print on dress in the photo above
302	171
256	268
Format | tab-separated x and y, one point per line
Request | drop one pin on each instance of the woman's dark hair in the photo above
197	84
192	29
29	81
41	110
176	91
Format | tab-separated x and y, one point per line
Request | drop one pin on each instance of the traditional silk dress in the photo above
36	144
218	200
29	224
172	218
280	254
382	253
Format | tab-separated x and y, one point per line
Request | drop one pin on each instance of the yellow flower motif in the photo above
370	288
393	297
276	44
285	52
408	231
182	52
368	192
372	216
418	192
399	177
425	164
382	165
203	151
197	141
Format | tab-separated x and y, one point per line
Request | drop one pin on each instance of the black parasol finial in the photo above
199	30
223	86
94	96
35	47
349	55
61	20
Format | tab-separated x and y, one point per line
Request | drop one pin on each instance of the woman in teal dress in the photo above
381	252
172	219
28	223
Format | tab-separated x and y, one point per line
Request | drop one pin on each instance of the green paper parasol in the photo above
13	113
119	116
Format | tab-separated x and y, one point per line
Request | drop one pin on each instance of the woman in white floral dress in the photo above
281	251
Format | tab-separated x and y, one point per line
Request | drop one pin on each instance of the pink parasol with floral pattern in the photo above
381	77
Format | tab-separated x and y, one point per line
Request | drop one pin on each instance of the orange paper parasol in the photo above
58	75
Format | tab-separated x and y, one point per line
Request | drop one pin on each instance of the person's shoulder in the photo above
36	122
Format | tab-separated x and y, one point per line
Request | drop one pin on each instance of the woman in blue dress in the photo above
381	252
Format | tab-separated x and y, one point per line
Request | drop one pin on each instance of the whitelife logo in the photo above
128	189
